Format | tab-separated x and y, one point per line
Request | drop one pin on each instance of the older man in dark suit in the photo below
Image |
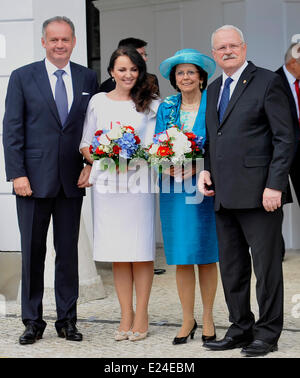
42	128
290	73
249	151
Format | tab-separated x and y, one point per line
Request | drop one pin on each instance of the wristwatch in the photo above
87	162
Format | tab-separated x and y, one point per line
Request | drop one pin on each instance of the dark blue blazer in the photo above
35	144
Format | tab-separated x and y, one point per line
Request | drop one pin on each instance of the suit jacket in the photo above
35	144
292	103
253	146
295	164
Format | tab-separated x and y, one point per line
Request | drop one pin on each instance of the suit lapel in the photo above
42	81
244	80
289	94
77	82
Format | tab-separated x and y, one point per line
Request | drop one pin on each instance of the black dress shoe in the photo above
159	271
258	348
69	331
227	343
31	334
183	340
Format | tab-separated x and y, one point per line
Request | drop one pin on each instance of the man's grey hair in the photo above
290	53
227	27
58	19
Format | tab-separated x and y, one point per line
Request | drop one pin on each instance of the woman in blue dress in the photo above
189	230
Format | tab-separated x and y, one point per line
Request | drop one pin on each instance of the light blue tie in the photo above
61	97
224	98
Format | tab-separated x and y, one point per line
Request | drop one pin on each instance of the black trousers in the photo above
34	216
260	231
294	173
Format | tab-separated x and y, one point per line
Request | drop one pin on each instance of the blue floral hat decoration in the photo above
191	56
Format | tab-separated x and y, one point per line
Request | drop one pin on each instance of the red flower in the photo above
99	152
193	144
116	150
190	135
137	139
129	128
164	151
98	132
91	149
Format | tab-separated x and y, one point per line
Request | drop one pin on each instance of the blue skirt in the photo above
188	224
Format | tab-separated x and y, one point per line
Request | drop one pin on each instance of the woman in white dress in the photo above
124	222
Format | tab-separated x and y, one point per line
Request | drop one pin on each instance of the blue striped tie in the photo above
61	98
224	98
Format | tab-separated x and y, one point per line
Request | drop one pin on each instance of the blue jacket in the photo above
169	115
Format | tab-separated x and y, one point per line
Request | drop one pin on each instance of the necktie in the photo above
61	98
224	98
298	95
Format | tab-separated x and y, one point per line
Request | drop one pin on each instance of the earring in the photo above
112	78
201	85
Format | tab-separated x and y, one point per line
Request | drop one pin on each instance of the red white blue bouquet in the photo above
175	147
117	143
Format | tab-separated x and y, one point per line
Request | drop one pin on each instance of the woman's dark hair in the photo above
145	88
202	75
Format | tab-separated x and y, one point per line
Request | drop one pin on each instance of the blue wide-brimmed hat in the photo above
191	56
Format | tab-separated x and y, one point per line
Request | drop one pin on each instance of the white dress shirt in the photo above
67	78
235	77
291	79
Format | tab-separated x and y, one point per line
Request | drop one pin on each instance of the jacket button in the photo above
219	133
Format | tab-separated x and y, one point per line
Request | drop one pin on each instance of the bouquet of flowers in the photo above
118	142
174	147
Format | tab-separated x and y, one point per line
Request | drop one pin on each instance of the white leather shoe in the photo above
121	335
135	336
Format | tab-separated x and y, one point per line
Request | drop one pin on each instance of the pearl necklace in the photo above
194	106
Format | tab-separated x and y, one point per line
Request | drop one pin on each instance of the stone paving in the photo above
98	319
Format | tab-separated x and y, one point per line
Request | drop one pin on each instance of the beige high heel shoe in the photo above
121	335
135	336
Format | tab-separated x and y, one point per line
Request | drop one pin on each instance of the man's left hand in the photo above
271	199
83	181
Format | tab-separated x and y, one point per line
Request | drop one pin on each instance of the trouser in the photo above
261	231
34	216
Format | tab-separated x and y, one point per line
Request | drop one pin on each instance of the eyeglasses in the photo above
231	46
188	73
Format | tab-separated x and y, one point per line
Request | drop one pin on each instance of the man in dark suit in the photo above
140	46
248	155
290	73
42	128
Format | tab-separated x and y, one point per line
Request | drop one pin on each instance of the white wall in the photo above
168	26
21	24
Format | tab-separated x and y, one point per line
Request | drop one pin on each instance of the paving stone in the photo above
98	319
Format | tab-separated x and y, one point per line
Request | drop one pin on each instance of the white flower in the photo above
173	131
115	132
104	140
153	149
181	145
163	138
